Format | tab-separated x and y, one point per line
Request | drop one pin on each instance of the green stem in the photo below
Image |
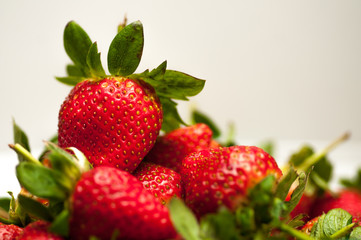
295	233
342	232
25	153
314	158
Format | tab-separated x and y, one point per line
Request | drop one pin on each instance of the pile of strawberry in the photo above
124	165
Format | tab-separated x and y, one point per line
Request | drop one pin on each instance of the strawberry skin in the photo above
170	149
222	176
114	121
38	230
347	199
9	232
106	200
162	182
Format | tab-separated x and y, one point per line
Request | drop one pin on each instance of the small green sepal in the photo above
43	182
71	80
126	50
94	62
77	44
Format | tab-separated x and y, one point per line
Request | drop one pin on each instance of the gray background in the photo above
278	69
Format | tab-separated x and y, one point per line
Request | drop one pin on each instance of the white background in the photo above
281	69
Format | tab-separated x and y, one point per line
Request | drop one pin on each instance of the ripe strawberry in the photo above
309	225
106	200
38	230
347	199
114	122
162	182
222	176
115	119
170	149
9	232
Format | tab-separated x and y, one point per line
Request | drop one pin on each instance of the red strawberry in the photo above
162	182
9	232
170	149
114	121
347	199
309	225
222	176
38	230
106	200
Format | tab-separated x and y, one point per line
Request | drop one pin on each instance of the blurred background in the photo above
283	69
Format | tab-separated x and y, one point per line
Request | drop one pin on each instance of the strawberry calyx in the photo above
263	215
123	58
335	224
55	184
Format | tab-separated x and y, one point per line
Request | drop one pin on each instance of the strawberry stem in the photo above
342	232
295	233
314	158
25	153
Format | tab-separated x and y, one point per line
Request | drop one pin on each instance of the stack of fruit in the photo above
124	165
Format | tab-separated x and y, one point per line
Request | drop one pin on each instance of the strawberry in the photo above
114	122
106	199
170	149
9	232
347	199
162	182
38	230
115	119
222	176
103	202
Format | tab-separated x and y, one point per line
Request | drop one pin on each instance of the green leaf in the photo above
354	182
74	71
285	184
356	234
184	220
297	221
220	226
171	118
42	182
53	139
299	157
158	73
317	229
245	218
77	44
178	85
260	193
323	168
126	50
71	80
335	220
63	161
21	138
199	117
94	62
5	203
297	193
60	225
34	208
